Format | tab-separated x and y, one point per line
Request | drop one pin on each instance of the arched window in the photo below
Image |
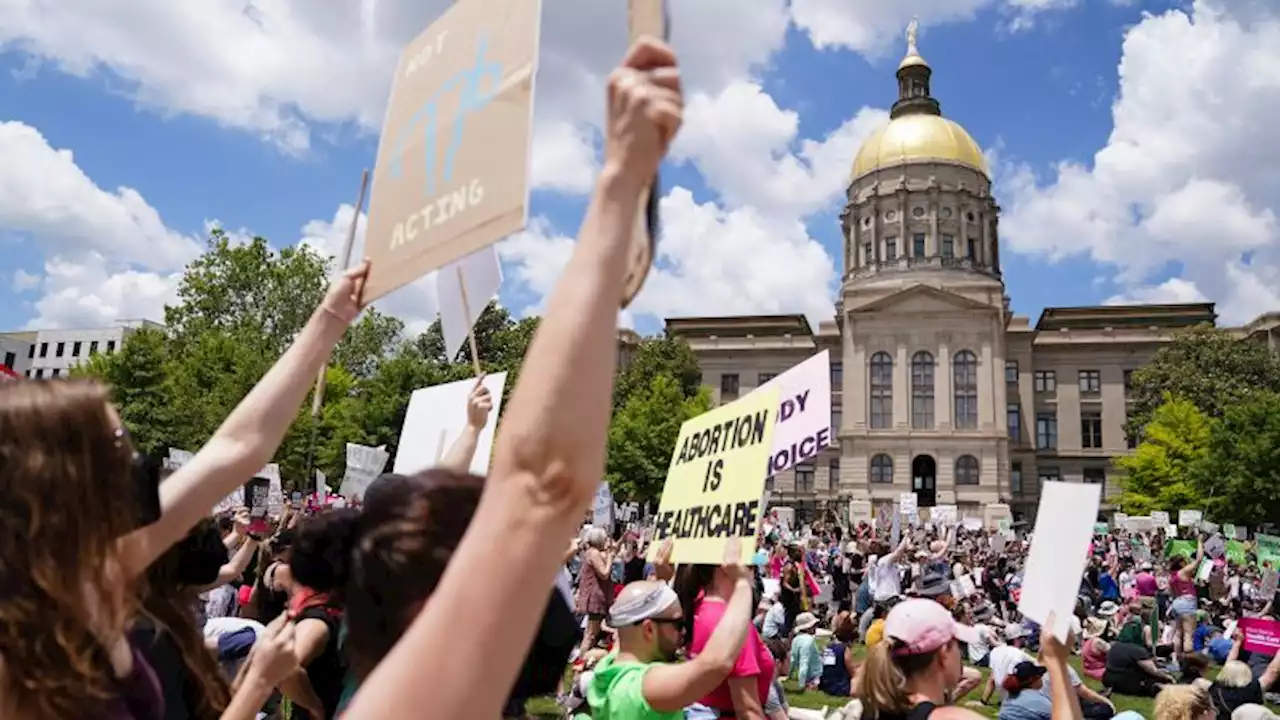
882	469
881	391
965	382
922	391
967	470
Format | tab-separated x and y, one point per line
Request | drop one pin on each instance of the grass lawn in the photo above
546	707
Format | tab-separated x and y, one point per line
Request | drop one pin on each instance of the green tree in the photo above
137	378
665	355
1163	471
1208	367
1240	477
643	433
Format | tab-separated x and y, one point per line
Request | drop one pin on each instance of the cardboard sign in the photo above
716	480
804	413
437	415
1260	635
452	174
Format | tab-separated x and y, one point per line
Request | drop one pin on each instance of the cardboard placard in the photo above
454	157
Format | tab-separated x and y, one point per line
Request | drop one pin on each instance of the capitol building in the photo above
937	386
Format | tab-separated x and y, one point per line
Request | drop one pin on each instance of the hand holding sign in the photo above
645	107
479	404
343	300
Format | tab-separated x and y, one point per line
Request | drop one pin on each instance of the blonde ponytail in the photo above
884	688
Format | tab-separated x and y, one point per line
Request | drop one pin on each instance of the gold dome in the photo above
918	138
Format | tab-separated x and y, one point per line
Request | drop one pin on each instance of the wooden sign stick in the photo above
466	312
347	246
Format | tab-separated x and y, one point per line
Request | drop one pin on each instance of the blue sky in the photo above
1155	188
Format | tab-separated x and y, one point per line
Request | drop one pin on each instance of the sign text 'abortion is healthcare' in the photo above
453	162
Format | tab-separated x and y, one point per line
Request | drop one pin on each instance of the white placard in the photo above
275	492
907	504
437	415
602	508
944	515
364	465
1189	518
1059	552
1160	518
481	273
804	418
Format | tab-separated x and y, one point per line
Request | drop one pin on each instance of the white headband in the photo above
642	608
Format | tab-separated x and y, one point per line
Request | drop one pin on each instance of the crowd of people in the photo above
448	595
843	611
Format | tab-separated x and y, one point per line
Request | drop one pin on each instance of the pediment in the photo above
922	299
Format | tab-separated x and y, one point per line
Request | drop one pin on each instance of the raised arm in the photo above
550	453
673	687
463	450
248	438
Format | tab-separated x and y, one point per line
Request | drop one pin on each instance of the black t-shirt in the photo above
1122	663
326	671
1227	699
633	570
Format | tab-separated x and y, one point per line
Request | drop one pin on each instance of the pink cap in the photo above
920	626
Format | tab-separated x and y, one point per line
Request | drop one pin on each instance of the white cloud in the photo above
277	67
564	157
45	195
24	281
91	292
875	27
749	151
1186	180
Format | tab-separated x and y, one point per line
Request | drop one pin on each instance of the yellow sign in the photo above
716	480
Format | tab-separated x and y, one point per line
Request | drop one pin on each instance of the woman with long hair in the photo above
76	530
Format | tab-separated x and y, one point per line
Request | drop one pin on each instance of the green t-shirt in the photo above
616	692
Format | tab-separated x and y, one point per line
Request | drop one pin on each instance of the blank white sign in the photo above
1059	552
437	416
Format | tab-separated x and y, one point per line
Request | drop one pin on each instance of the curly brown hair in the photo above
66	499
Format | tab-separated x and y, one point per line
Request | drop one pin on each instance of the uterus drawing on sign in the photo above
474	93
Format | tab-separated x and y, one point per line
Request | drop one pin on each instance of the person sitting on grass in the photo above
806	660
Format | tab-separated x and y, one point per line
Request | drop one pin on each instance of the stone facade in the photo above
937	387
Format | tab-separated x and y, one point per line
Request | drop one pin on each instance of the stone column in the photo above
942	385
901	386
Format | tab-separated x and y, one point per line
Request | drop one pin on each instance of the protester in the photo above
77	528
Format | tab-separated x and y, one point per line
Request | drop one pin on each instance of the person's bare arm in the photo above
1066	704
672	687
235	567
310	638
1269	675
745	694
896	555
549	455
247	439
463	450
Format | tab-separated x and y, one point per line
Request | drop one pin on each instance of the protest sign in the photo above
1260	635
1189	518
257	496
453	162
804	413
1268	549
944	515
463	291
907	503
1160	518
364	465
602	508
716	479
437	415
1059	552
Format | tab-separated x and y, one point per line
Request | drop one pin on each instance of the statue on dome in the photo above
913	35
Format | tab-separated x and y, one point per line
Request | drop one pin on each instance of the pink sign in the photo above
1260	636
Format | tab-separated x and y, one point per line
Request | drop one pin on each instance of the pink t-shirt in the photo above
1146	584
754	660
1181	586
